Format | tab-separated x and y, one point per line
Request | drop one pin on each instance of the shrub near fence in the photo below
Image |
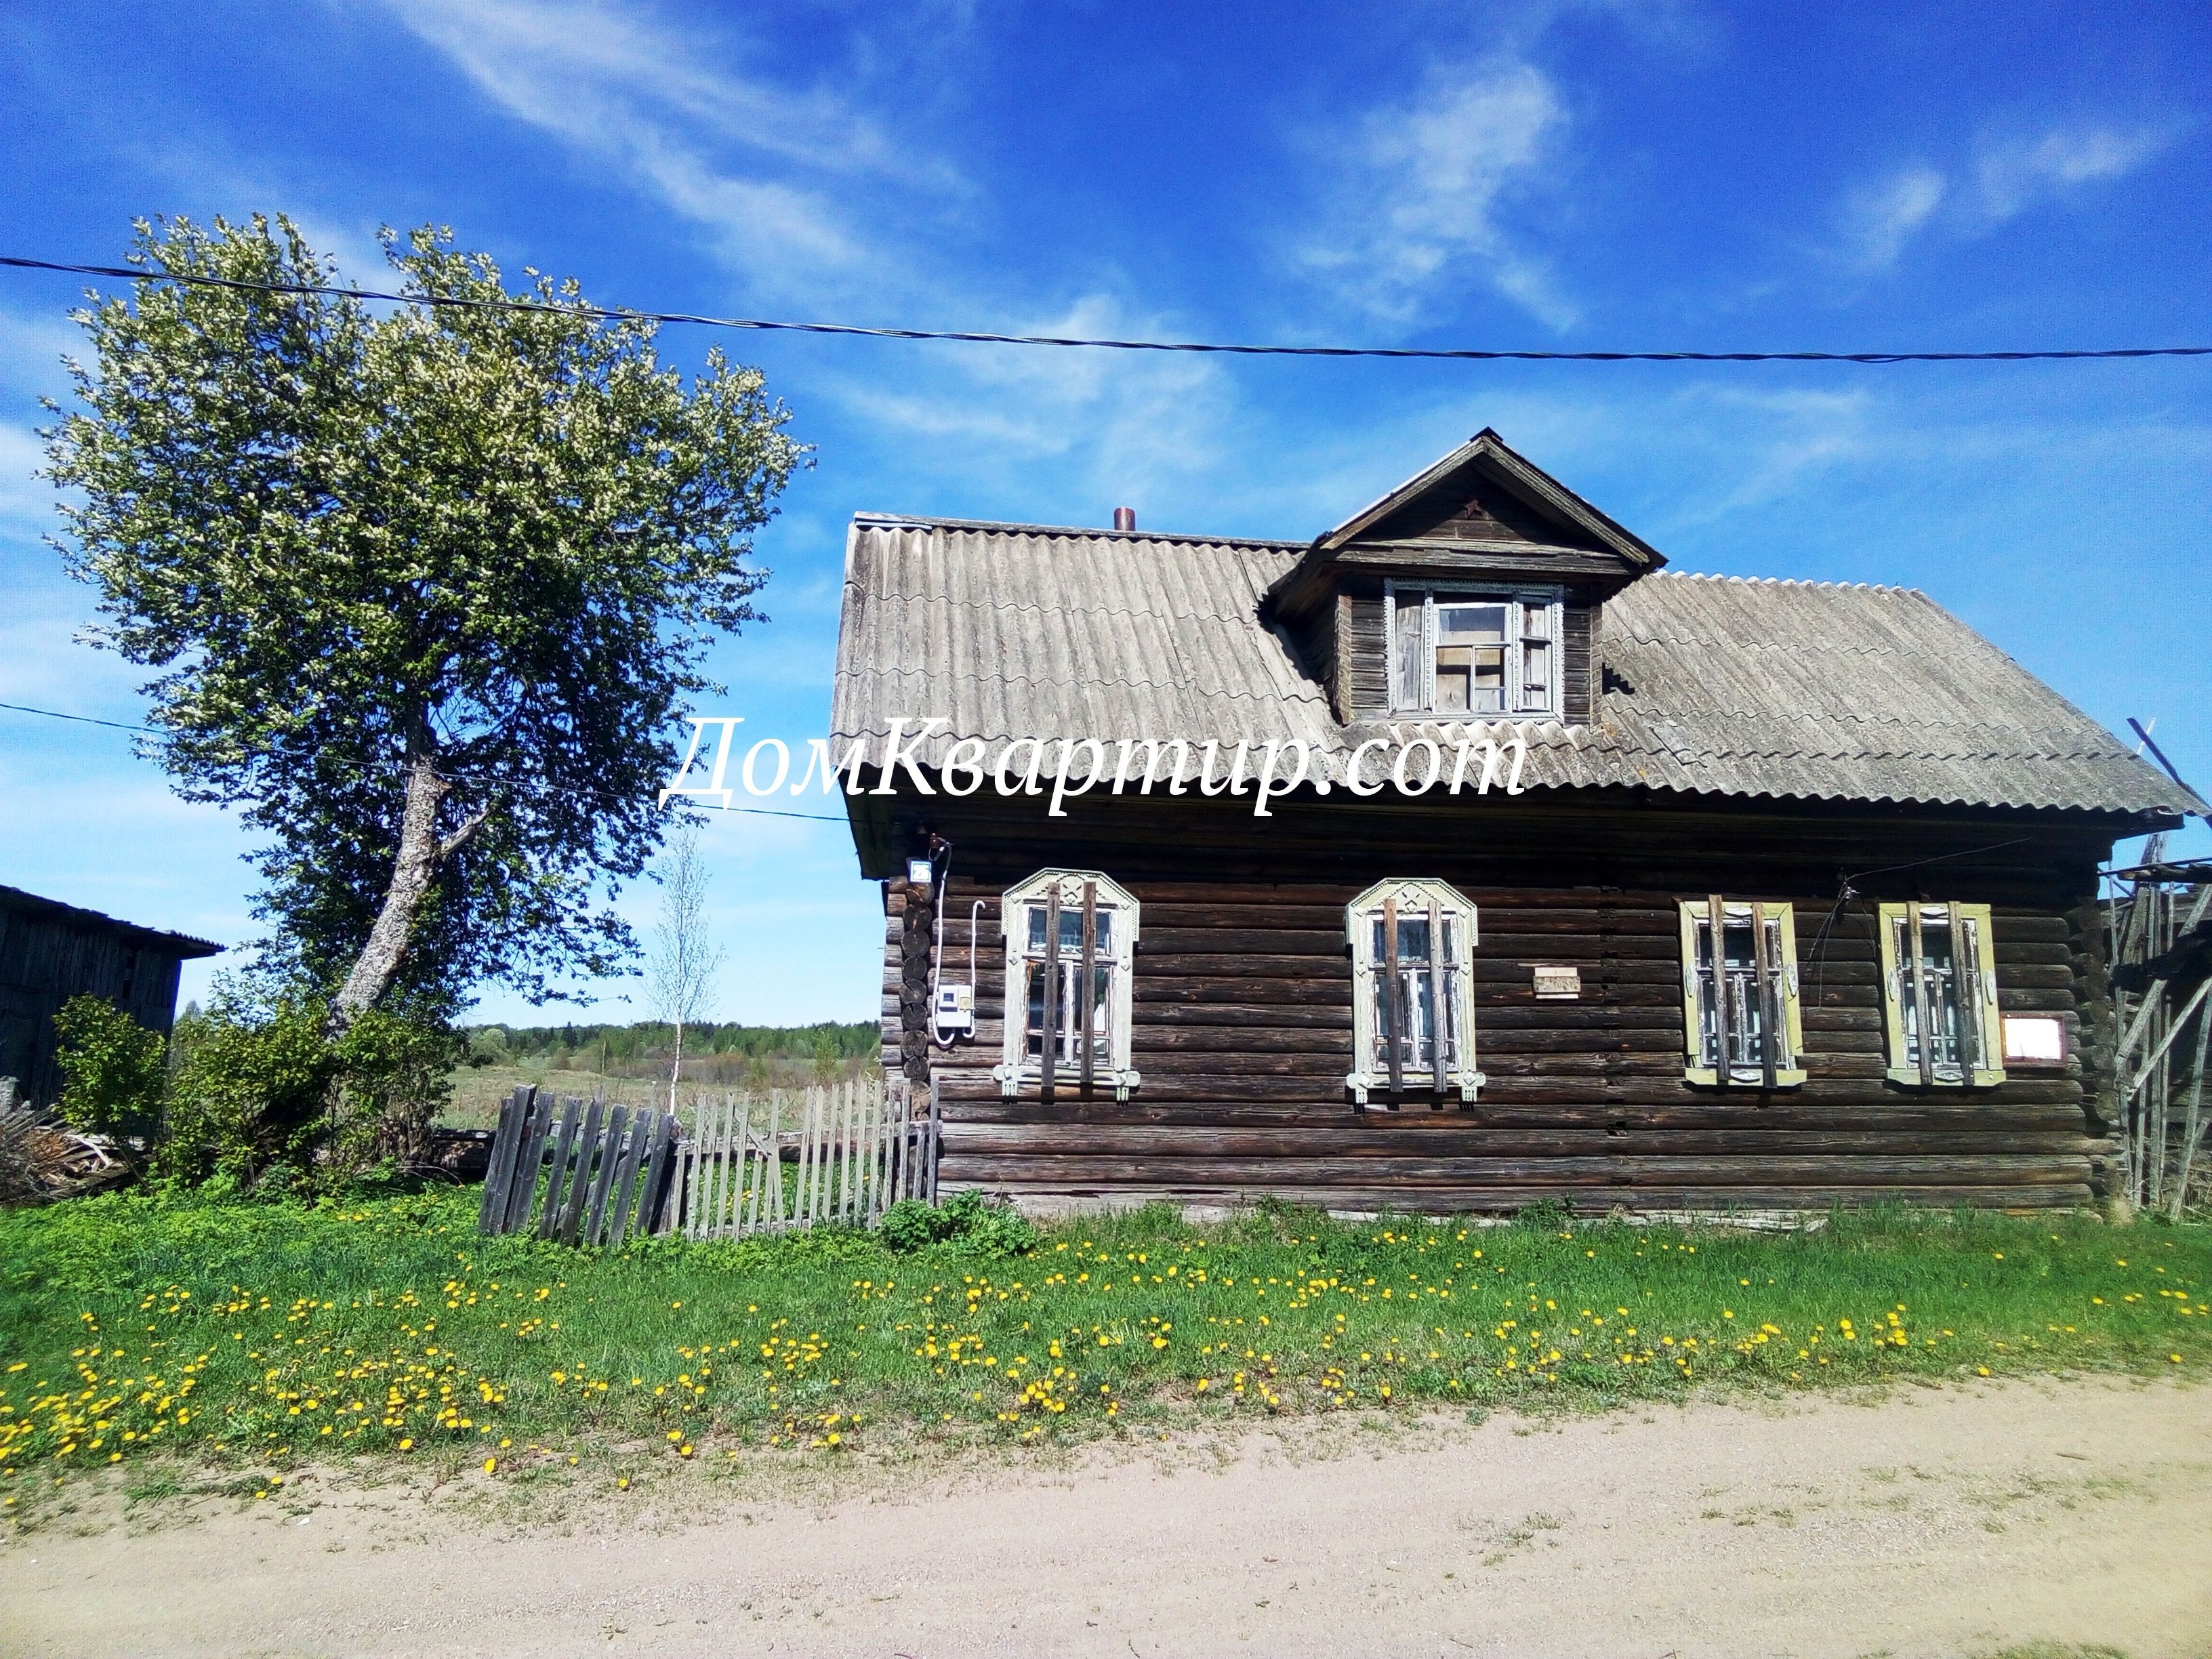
592	1174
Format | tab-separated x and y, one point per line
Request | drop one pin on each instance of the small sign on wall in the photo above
2035	1039
1556	982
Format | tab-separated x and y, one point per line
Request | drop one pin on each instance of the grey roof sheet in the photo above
1715	685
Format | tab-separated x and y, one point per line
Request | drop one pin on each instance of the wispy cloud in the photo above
2007	176
1414	201
1879	218
2014	175
780	176
1047	425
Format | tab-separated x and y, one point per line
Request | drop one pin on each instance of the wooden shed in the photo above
51	951
1785	895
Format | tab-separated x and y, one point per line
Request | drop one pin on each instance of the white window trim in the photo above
1015	1067
1787	986
1982	1004
1553	601
1414	896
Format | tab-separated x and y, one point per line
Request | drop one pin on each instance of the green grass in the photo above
261	1337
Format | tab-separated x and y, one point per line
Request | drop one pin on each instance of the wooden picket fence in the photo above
790	1158
587	1173
609	1170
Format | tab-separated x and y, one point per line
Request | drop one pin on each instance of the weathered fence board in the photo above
594	1174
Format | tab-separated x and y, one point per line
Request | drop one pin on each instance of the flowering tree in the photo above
423	590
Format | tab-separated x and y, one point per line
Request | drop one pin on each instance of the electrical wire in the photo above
617	314
118	726
81	720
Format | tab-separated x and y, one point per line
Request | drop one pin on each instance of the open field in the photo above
2038	1518
478	1089
262	1338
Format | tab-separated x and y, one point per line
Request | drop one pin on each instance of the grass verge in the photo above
259	1338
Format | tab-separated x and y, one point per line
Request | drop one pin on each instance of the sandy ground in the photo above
1931	1522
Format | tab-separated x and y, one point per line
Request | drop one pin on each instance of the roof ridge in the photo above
1780	581
930	521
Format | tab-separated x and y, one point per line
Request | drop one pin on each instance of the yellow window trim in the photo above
1989	1019
1786	978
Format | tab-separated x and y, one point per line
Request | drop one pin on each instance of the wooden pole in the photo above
2192	1120
1717	933
1966	990
610	1149
1763	959
1087	990
1438	1016
1392	1000
1051	970
588	1146
775	1152
1920	995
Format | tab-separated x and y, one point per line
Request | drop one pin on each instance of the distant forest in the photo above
608	1046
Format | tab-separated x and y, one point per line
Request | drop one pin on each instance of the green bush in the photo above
264	1100
251	1094
393	1073
965	1223
114	1071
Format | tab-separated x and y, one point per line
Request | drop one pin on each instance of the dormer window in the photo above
1463	653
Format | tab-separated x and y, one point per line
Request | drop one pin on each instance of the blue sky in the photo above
1537	175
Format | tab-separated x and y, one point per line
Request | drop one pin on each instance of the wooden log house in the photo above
1767	835
51	951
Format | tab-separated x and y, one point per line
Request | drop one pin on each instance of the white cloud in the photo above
2010	177
2015	175
780	178
1879	219
1044	426
1413	202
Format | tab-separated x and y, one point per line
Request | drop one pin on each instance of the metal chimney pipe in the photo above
1125	518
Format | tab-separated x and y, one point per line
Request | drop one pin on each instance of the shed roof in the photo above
181	945
1713	685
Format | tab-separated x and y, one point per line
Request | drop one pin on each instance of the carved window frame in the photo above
1981	1029
1775	947
1018	1069
1418	898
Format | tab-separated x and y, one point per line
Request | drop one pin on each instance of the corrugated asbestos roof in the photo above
1714	685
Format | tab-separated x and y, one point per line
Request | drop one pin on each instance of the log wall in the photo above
1243	1013
51	953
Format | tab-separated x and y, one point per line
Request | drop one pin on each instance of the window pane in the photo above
1536	675
1413	939
1736	988
1454	680
1536	621
1071	930
1406	689
1940	979
1472	624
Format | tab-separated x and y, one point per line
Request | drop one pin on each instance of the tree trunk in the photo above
676	1071
420	853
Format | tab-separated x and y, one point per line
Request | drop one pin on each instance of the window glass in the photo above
1940	975
1071	929
1470	654
1734	990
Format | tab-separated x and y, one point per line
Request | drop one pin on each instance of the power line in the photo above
81	720
976	338
86	719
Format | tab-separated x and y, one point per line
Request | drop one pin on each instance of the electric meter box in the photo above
956	1008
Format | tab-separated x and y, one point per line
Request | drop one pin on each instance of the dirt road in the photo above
1948	1522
